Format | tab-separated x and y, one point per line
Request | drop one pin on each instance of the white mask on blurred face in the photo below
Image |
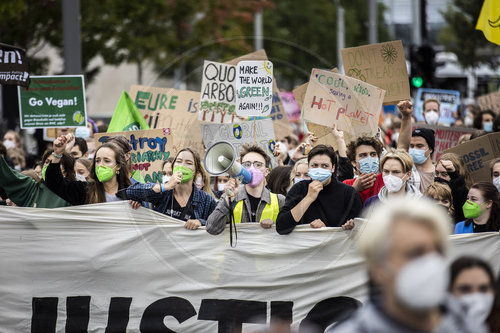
9	144
199	182
81	178
421	283
221	186
431	117
478	305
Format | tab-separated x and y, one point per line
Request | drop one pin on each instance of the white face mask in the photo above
81	178
395	136
82	132
199	183
9	144
165	179
431	117
496	182
17	167
421	283
478	305
393	183
220	186
468	121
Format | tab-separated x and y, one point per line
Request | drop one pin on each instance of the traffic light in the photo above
422	66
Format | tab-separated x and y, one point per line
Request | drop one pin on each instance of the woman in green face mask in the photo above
481	210
179	197
108	176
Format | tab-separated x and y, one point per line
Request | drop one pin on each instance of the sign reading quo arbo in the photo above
53	101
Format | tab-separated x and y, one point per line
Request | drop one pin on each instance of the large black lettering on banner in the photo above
14	67
230	314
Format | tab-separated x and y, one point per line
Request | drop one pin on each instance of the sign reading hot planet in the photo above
254	88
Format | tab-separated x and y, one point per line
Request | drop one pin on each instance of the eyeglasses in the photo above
256	164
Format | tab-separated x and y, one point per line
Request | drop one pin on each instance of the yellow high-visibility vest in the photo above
270	211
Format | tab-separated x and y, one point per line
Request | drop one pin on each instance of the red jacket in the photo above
379	183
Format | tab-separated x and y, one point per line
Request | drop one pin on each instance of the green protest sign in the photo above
53	101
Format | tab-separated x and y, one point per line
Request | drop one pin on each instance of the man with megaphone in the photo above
249	202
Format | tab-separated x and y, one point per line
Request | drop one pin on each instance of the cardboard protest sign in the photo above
217	96
254	88
477	155
14	67
292	108
300	92
449	101
282	127
240	133
149	149
382	65
53	101
334	99
174	109
446	137
490	102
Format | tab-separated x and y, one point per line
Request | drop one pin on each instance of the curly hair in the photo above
366	141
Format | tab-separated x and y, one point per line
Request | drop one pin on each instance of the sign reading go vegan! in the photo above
53	101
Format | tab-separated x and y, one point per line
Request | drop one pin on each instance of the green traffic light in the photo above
417	81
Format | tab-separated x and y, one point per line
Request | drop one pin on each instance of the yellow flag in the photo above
489	21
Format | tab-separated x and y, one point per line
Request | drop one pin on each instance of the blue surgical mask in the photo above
297	179
488	127
82	132
418	155
368	164
319	174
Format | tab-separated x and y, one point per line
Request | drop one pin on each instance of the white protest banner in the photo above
244	132
449	100
254	88
109	268
174	109
490	102
382	65
353	105
149	149
217	95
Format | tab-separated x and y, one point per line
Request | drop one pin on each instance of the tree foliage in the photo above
301	35
461	37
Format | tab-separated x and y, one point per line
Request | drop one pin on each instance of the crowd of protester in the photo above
314	184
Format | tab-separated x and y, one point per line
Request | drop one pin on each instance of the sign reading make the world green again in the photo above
53	101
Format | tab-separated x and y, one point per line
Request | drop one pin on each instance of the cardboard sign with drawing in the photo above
334	99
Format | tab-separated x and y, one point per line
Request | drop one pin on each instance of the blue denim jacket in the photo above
203	204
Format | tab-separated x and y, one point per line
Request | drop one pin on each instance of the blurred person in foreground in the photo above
404	243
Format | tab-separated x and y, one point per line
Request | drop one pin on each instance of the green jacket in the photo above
24	191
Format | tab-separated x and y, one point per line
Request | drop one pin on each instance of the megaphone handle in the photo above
231	222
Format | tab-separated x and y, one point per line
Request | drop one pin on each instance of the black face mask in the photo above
441	180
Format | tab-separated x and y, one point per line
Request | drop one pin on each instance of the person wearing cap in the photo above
420	144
